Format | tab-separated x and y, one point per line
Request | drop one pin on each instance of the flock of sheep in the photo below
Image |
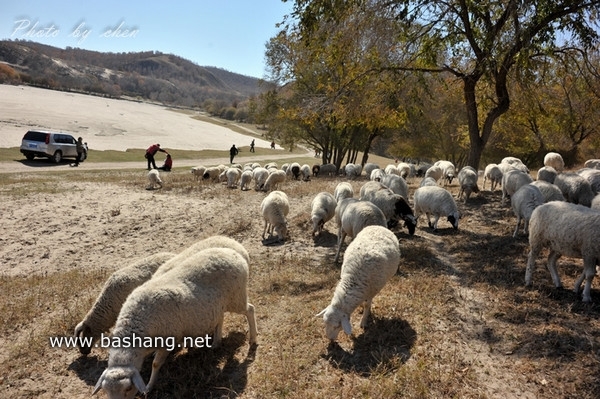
187	294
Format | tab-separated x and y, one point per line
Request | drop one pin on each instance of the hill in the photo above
149	75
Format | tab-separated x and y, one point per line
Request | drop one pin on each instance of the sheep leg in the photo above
531	257
366	313
251	323
517	226
435	222
159	358
265	229
428	220
589	270
526	226
552	258
341	237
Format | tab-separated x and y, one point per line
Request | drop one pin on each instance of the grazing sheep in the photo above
105	310
549	191
448	171
509	163
271	165
592	164
566	229
322	210
435	172
369	262
422	169
554	160
255	165
198	171
327	169
575	188
493	174
547	173
212	173
343	190
315	170
593	177
391	169
189	300
352	171
295	170
273	181
394	206
524	201
377	175
274	208
260	176
596	202
436	201
404	170
233	177
154	180
428	181
467	179
368	168
355	216
512	180
397	184
246	179
305	171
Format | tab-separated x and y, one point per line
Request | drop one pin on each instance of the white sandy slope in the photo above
108	124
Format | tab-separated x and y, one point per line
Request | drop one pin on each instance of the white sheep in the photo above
354	216
592	164
592	176
260	176
435	201
246	179
305	171
274	208
198	171
448	171
428	181
188	301
435	172
391	169
327	169
467	179
322	210
575	188
352	171
554	160
492	173
404	169
596	202
343	190
377	175
566	229
154	180
549	191
233	177
524	201
273	180
369	262
547	173
368	168
397	184
512	180
212	173
294	170
394	206
509	163
105	310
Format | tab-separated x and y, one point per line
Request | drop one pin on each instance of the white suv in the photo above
56	146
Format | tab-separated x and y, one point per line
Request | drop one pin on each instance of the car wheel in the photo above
57	157
29	157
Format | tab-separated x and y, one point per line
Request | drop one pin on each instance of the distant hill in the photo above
148	75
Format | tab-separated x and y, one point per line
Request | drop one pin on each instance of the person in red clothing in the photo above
168	164
150	152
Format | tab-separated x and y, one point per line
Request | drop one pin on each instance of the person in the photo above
252	146
150	152
168	164
79	147
232	153
273	144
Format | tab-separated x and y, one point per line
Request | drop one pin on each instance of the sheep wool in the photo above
322	210
523	202
575	188
274	208
245	180
549	191
154	180
273	180
554	160
343	190
435	201
467	179
492	173
397	184
512	180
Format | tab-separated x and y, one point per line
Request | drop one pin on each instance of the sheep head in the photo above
120	382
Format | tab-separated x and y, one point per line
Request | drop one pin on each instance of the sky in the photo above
228	34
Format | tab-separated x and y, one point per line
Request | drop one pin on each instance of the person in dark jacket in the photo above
150	152
168	164
232	153
80	150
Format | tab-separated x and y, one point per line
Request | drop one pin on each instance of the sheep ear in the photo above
99	383
138	381
346	325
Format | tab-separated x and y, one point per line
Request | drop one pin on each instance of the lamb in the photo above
273	180
233	177
105	310
189	300
523	202
567	229
198	171
512	180
397	184
327	169
575	188
369	262
260	176
368	168
493	174
467	179
343	190
554	160
246	179
435	172
394	206
448	171
274	208
154	180
547	173
436	201
592	164
322	210
549	191
305	171
355	216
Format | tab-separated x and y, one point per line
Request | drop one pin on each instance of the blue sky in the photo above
229	34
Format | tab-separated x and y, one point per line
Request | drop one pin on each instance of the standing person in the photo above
273	144
232	153
252	146
80	149
150	152
168	164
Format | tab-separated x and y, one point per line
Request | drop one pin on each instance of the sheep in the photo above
233	177
596	202
512	180
422	168
404	170
274	208
245	180
391	169
343	190
315	170
467	179
394	206
198	171
212	173
352	171
428	181
154	180
255	165
105	310
271	165
436	201
575	188
369	262
397	184
592	176
493	174
524	201
322	210
592	164
368	168
448	171
295	170
509	163
273	180
355	216
547	173
549	191
554	160
435	172
305	171
189	300
570	230
260	176
377	175
327	169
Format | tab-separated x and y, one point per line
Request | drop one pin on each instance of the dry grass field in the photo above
455	322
